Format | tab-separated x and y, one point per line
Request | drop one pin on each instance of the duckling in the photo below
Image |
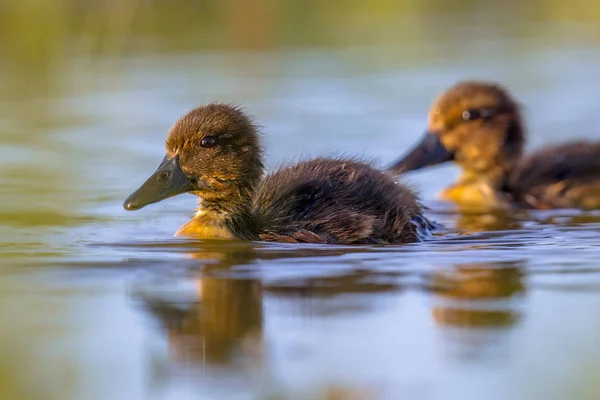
215	153
478	125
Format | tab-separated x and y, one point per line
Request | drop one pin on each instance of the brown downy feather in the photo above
560	176
342	201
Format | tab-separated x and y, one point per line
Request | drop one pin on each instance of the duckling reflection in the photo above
224	320
478	125
215	153
485	222
469	294
472	221
327	296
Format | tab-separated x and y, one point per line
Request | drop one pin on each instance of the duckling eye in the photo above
208	142
471	115
481	113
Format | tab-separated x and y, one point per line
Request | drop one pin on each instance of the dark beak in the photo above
427	153
167	181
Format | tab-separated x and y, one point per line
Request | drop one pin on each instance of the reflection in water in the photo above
353	281
471	295
332	296
473	307
224	318
223	325
473	223
469	221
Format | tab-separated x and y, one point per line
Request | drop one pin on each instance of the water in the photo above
100	303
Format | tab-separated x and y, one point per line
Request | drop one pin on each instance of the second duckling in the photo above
478	125
215	153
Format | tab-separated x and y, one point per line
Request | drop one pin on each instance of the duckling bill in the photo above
214	152
167	181
478	126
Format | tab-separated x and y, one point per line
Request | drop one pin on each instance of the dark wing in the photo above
335	201
564	176
295	236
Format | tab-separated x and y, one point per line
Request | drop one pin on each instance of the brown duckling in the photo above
478	125
215	153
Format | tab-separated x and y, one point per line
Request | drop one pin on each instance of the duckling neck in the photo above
479	190
219	219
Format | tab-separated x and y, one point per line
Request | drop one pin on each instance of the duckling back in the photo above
335	201
562	176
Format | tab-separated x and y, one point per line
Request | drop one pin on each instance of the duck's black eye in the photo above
471	115
480	113
208	142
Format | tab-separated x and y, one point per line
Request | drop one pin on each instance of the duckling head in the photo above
475	124
213	152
